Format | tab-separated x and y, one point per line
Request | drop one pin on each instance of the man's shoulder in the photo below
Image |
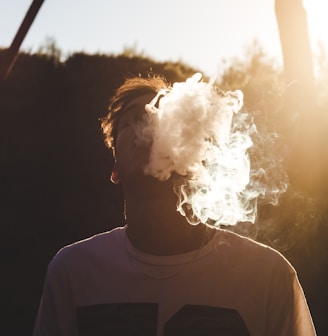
249	249
96	245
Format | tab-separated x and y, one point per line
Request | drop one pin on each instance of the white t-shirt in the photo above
231	286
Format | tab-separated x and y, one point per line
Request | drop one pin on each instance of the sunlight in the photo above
317	21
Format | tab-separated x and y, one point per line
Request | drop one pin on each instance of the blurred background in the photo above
55	84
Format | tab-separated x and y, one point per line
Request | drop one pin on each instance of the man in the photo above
160	275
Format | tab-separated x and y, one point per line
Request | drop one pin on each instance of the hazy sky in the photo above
201	33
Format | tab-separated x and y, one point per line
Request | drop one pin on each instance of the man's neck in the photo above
155	227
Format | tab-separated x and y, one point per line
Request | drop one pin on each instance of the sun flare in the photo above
316	11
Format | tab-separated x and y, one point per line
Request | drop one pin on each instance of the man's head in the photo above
126	113
131	89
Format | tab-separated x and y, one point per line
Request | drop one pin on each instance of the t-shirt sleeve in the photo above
56	315
288	311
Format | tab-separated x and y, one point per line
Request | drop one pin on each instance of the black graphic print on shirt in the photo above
204	320
118	319
140	319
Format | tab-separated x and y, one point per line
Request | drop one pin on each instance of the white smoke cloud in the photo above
200	134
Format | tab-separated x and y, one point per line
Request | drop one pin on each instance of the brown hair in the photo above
128	91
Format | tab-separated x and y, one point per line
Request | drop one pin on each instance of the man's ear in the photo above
114	176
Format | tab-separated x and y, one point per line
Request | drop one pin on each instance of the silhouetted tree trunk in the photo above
300	97
296	50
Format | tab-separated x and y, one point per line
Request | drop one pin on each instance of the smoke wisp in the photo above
200	133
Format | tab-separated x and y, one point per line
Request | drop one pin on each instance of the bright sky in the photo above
202	33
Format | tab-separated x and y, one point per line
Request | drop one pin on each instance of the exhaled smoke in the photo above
199	133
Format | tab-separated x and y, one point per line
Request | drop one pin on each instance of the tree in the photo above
303	129
50	49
